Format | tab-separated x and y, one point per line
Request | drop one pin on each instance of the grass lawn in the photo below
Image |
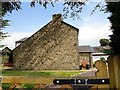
45	73
39	74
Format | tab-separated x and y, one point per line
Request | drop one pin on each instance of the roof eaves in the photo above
7	48
21	40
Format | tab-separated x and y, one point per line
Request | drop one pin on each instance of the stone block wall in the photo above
53	47
85	57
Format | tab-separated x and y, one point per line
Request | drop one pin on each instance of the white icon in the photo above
79	81
57	81
103	81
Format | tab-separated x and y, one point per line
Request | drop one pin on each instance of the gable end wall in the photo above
54	47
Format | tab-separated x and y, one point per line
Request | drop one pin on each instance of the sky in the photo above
25	22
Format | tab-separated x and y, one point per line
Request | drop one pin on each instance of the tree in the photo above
6	7
104	42
114	9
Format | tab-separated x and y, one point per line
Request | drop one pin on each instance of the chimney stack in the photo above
57	17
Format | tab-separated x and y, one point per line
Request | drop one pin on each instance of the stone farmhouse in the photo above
85	55
55	46
6	55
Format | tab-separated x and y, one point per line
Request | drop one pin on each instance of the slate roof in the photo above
21	40
6	50
85	49
99	49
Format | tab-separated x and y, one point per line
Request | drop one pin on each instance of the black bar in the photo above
98	81
64	81
81	81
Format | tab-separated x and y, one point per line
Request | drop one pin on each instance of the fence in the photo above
101	82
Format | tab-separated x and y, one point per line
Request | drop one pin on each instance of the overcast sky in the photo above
27	21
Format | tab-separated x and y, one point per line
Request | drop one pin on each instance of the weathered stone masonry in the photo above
55	46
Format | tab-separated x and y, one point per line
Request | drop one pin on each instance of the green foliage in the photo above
28	86
10	6
107	51
47	73
72	9
2	35
43	3
7	7
5	86
114	9
1	46
5	23
102	58
104	42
